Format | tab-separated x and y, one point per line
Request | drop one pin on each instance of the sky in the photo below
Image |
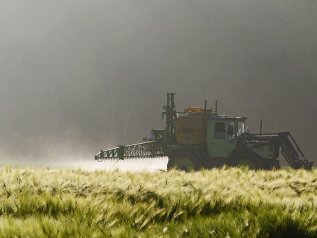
78	76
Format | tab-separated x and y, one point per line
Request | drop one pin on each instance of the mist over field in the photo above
79	76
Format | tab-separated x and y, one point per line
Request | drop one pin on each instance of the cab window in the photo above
240	128
220	130
231	131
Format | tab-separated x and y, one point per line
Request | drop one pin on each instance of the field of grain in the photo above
227	202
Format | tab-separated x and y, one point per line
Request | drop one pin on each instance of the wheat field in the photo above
227	202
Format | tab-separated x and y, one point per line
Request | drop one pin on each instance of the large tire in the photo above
181	163
187	160
246	163
243	156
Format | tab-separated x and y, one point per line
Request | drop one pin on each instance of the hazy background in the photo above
77	76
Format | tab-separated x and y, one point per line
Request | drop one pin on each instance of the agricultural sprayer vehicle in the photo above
201	138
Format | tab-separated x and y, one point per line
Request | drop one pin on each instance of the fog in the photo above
79	76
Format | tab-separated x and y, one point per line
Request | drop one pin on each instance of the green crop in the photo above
227	202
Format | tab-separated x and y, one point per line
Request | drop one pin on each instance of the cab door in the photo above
217	139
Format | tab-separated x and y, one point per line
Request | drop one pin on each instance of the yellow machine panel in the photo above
190	129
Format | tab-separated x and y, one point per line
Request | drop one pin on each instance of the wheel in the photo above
246	163
185	164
